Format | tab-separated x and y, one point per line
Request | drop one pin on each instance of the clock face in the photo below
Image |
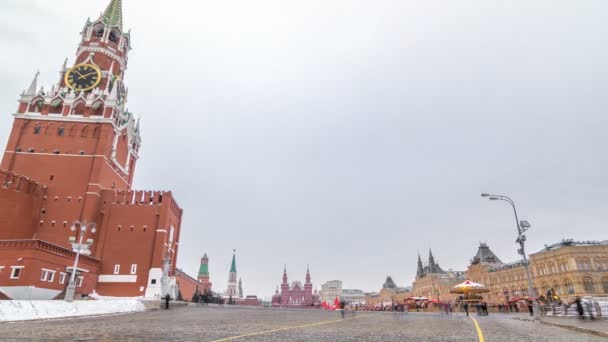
83	77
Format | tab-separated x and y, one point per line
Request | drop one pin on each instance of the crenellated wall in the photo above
136	229
21	200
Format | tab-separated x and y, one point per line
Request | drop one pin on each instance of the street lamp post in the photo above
522	226
79	248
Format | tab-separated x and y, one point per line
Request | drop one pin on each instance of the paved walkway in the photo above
599	327
240	324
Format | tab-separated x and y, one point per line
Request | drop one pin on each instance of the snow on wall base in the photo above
21	310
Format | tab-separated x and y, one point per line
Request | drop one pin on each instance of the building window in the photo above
153	282
556	288
60	131
47	275
134	269
62	277
605	284
79	281
16	272
37	129
568	286
116	269
588	285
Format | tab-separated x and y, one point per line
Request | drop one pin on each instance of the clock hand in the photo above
89	74
78	73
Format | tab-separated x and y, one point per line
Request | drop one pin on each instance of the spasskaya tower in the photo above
71	156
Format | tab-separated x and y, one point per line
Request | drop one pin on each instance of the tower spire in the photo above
420	271
112	16
31	91
233	266
431	262
285	274
307	274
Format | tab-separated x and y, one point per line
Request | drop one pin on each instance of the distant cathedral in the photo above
295	295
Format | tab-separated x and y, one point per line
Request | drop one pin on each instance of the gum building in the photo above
70	159
567	268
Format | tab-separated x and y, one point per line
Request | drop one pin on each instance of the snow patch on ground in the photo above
21	310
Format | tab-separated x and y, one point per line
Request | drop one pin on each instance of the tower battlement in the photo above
15	182
141	198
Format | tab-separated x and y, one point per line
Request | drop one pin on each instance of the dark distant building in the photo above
389	283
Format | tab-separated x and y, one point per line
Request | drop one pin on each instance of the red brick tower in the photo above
203	274
308	287
77	144
284	287
79	130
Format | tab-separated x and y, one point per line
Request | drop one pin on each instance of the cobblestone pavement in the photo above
220	324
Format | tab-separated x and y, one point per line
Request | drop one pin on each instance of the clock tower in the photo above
80	129
70	159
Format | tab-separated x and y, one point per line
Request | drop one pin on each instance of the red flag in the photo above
337	303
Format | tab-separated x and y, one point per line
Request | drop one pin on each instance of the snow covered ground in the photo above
20	310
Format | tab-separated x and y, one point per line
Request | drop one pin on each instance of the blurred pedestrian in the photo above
167	299
579	308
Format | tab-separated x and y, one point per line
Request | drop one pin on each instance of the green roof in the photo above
204	270
233	267
112	16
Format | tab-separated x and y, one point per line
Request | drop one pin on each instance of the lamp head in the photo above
494	198
525	224
485	194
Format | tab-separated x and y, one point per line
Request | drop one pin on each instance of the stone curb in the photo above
579	329
148	308
566	326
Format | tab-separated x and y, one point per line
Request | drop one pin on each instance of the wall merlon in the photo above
15	182
140	197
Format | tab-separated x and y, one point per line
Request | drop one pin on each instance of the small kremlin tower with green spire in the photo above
203	274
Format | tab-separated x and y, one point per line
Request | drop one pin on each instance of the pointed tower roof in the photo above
31	91
420	271
233	266
431	262
112	16
485	255
389	283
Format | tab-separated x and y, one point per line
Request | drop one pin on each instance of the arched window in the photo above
56	106
50	129
557	288
78	108
114	36
36	105
605	284
73	130
98	31
85	131
97	108
588	284
568	286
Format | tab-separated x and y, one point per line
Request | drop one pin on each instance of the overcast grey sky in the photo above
351	134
